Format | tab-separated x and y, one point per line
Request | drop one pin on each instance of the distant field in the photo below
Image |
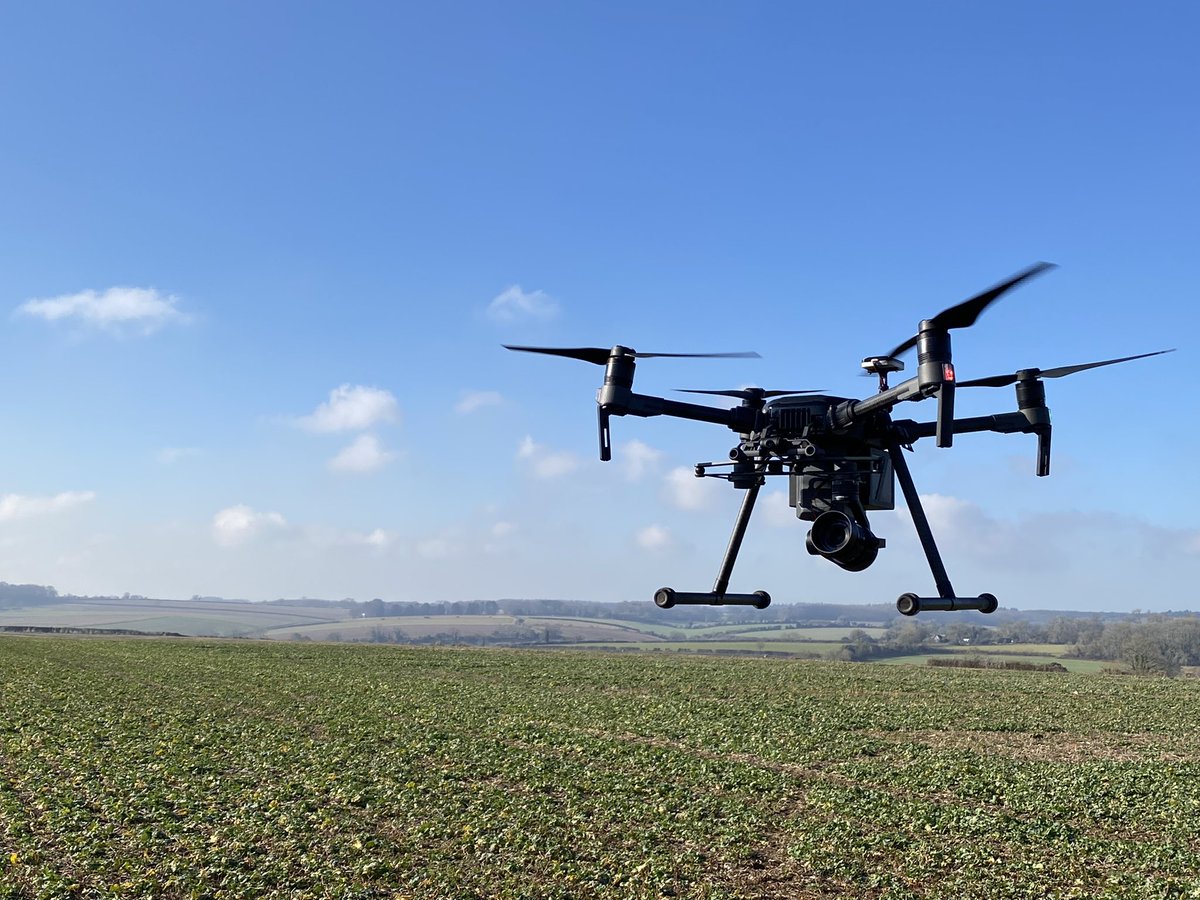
1035	649
814	633
201	617
193	768
417	627
331	623
800	648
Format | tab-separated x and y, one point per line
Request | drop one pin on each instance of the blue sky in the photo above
259	260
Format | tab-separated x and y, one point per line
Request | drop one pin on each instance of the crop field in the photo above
462	627
191	768
201	617
799	648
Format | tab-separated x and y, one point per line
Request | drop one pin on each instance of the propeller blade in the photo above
599	356
1071	370
747	393
963	315
1003	380
741	354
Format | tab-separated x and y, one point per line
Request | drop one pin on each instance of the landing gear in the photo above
665	598
911	604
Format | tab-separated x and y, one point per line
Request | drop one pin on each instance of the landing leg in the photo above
911	604
667	597
735	540
900	464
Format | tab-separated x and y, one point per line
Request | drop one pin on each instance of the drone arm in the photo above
851	411
627	403
1004	423
1033	420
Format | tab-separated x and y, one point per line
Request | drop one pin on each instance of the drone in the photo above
842	457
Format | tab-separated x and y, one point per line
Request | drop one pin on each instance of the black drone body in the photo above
842	457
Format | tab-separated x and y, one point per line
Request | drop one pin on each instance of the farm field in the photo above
150	768
800	648
416	627
200	617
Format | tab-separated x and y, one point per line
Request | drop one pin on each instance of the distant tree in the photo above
906	636
1145	654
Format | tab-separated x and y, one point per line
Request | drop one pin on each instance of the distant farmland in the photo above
151	768
191	617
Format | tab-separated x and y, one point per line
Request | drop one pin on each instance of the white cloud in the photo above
503	529
378	539
473	400
513	303
547	463
364	454
117	308
352	408
238	524
168	455
22	506
685	491
775	510
436	548
966	529
638	458
654	537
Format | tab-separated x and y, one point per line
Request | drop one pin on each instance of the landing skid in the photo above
665	598
911	604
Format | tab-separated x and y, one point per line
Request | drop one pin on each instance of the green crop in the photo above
156	768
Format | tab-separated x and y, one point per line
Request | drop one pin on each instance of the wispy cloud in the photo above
544	462
364	454
436	548
240	524
637	458
23	506
352	408
685	491
378	539
168	455
513	304
654	537
776	512
117	309
474	400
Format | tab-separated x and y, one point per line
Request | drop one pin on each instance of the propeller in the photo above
618	376
599	356
964	314
751	393
1027	374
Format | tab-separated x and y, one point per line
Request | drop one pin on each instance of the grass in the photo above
174	768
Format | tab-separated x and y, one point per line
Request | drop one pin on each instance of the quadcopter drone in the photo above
842	457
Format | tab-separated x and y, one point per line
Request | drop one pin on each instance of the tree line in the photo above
1151	644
